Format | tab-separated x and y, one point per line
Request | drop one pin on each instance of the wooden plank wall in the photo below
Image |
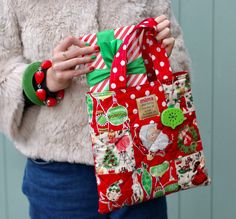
209	34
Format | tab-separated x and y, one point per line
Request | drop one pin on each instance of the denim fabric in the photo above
61	190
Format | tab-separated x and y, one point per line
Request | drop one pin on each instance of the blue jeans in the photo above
61	190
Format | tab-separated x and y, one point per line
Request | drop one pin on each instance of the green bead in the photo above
172	117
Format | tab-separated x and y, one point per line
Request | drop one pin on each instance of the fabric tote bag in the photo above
145	138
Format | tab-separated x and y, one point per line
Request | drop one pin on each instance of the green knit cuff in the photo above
27	83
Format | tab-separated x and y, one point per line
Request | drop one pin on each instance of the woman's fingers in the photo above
168	44
70	74
76	52
163	34
67	42
163	25
160	18
71	63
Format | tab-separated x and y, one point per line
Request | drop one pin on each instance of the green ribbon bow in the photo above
108	48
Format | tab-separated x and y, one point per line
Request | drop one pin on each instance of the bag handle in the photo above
155	57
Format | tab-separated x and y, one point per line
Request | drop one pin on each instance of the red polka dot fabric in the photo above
137	156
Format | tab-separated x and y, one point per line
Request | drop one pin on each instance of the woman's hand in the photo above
64	62
164	34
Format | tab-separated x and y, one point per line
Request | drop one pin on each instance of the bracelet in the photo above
47	97
34	85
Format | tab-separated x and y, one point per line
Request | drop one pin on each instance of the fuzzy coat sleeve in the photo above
179	59
12	66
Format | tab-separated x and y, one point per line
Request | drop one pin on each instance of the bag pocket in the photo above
180	92
113	152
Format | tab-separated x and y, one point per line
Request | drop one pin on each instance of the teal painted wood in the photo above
224	192
3	200
196	22
209	37
16	201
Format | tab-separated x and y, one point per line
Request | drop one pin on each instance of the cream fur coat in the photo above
29	30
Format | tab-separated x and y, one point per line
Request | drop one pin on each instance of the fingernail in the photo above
87	44
96	47
91	68
93	57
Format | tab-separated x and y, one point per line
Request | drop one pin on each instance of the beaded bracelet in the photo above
49	98
35	74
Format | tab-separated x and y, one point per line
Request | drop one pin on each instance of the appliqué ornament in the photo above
172	117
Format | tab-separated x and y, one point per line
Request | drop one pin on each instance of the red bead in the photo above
46	64
51	101
41	94
60	94
39	76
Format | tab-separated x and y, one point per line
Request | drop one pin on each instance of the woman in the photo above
59	177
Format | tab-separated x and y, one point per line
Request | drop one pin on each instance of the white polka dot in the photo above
136	125
144	47
132	96
151	122
117	55
135	111
161	88
113	85
127	105
138	88
124	47
150	55
122	62
163	103
162	64
170	69
153	57
157	72
152	83
149	75
147	92
150	42
121	78
114	69
147	41
123	90
166	55
146	61
158	49
165	77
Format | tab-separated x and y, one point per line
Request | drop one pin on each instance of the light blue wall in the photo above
210	34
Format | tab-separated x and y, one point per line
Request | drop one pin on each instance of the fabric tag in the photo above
147	107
